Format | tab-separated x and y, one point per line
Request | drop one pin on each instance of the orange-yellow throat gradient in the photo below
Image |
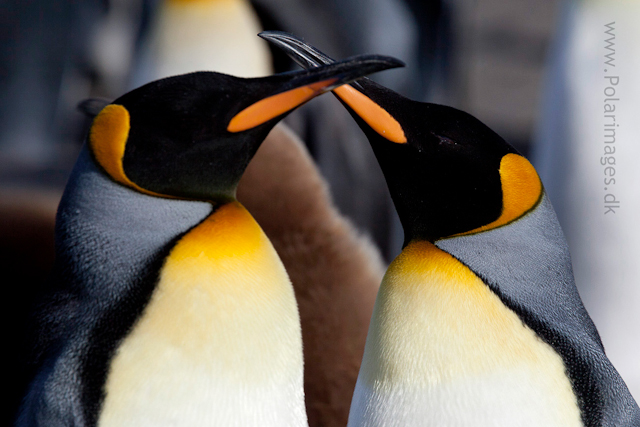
434	305
221	324
438	331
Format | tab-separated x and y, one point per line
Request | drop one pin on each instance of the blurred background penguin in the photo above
486	57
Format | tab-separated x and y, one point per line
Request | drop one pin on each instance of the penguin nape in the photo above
478	321
167	304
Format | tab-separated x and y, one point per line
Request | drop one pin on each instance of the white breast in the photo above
443	350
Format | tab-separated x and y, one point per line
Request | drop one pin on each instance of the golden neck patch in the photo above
230	232
108	139
374	115
521	191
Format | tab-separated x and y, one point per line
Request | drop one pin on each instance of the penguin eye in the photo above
443	140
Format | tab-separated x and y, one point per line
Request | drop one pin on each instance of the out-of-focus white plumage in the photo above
195	35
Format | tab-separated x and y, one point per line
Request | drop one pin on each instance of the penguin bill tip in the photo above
308	84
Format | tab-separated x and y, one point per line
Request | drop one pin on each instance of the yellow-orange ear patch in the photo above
373	114
275	105
521	190
108	137
107	140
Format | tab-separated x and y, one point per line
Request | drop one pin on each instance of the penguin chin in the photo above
212	191
192	169
199	176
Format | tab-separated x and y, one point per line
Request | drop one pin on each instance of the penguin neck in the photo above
126	229
443	349
110	243
220	339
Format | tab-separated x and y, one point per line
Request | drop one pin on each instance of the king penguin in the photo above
329	263
168	304
478	321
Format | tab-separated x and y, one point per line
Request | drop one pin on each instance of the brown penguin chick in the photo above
335	271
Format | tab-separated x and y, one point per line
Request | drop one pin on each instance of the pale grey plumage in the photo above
109	241
527	264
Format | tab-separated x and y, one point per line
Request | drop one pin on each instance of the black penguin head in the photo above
192	136
447	172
